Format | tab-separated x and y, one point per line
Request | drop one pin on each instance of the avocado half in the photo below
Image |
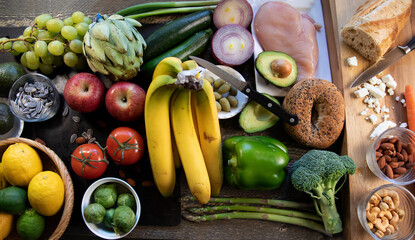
256	118
277	67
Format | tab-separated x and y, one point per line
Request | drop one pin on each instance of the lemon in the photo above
46	193
20	164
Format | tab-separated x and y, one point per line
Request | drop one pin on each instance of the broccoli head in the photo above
317	173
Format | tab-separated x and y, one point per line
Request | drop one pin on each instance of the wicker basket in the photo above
55	225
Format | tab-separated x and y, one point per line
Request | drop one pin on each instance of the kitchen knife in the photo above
245	88
387	60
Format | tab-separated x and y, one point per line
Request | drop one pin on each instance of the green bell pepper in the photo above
254	162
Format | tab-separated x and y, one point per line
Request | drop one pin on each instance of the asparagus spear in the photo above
284	212
263	201
260	216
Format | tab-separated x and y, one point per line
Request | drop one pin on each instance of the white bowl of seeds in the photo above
34	98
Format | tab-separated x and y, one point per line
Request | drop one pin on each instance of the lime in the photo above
30	225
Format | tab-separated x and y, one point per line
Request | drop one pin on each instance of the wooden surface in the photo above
19	14
358	129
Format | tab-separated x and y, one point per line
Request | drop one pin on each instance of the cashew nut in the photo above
370	225
383	206
386	214
375	199
383	193
388	200
395	218
395	198
379	233
383	214
382	223
372	214
401	214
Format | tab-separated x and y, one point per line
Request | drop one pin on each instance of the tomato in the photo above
89	161
125	146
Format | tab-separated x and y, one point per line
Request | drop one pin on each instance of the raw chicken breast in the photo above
280	27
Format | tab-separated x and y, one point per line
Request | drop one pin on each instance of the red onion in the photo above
232	45
233	12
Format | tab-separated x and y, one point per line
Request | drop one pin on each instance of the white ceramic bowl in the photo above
122	187
242	98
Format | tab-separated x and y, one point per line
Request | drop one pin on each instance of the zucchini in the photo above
192	46
175	32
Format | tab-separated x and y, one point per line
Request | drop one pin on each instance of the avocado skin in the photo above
6	118
263	66
9	72
250	122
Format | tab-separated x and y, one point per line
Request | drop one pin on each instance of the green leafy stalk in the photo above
259	216
165	11
145	7
263	201
283	212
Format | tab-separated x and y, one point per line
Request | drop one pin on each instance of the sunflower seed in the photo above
73	138
85	135
91	140
65	111
76	119
90	132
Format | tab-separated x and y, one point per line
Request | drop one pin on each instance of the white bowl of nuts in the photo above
387	212
392	156
34	98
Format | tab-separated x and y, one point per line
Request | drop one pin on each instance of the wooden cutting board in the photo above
357	128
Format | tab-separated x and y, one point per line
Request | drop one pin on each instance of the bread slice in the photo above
375	25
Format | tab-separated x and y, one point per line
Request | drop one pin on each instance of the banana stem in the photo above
170	11
283	212
271	202
259	216
145	7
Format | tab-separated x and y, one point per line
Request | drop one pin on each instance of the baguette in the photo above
375	25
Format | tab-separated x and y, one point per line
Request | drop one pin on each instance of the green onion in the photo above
170	11
146	7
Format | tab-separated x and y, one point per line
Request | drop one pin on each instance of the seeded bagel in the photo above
319	106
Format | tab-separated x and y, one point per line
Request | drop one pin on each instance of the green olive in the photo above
217	95
218	82
226	106
218	106
224	88
210	79
233	91
232	100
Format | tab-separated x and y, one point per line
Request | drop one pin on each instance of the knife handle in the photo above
270	105
411	44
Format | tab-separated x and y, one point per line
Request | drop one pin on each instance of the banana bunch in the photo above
114	47
182	129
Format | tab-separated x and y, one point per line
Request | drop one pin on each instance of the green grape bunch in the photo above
50	43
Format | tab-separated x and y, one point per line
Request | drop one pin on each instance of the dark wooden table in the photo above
161	217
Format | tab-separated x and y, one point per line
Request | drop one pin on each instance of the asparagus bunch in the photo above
300	214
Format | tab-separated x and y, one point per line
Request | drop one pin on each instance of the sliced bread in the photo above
375	25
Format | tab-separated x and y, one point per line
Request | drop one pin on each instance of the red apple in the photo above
125	101
84	92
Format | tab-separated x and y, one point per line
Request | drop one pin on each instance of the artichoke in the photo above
114	47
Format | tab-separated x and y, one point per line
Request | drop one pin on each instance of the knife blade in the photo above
387	60
245	88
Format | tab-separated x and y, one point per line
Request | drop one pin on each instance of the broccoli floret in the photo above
317	173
